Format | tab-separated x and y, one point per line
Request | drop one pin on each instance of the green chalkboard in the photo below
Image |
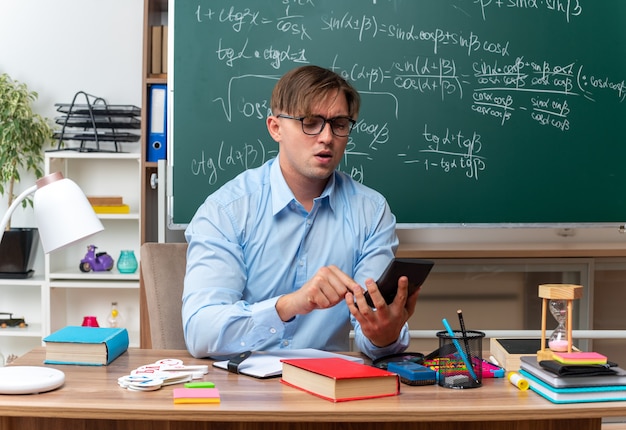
474	111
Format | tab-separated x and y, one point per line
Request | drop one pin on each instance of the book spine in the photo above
116	345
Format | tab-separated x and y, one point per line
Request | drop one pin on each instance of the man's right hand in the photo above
324	290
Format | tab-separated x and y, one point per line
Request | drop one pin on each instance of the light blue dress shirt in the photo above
251	242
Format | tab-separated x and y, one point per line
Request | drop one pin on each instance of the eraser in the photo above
412	373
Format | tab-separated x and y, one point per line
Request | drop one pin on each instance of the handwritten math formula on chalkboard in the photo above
473	112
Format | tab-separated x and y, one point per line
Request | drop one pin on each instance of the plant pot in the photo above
17	253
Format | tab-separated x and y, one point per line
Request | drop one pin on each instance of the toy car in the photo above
10	321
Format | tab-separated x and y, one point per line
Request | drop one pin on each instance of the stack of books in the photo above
108	204
571	386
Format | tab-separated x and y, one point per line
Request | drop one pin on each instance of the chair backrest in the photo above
163	272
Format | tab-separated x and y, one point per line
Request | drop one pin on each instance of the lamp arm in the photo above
9	212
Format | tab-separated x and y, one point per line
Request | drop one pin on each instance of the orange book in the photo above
338	380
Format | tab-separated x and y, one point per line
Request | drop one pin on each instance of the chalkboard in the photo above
473	111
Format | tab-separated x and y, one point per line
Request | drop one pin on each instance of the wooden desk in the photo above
92	399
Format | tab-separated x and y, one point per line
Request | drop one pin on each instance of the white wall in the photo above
60	47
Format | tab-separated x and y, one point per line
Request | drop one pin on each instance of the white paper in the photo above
265	364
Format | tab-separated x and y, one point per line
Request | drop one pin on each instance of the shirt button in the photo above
285	342
243	344
273	330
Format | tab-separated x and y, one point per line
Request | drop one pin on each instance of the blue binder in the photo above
157	123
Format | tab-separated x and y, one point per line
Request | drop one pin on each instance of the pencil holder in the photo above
460	359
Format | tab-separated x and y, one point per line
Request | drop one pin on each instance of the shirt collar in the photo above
282	194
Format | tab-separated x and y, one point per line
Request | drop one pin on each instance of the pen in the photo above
464	333
468	364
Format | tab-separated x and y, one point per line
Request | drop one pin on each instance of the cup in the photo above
90	321
460	359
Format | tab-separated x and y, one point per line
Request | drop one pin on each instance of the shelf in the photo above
510	250
32	330
131	216
92	279
35	281
93	155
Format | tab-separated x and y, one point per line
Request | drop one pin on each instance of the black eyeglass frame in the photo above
325	120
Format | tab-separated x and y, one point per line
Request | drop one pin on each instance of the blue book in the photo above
89	346
606	393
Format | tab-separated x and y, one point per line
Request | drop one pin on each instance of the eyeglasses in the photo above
341	126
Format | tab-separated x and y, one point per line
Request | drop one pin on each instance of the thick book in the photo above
607	393
532	366
92	346
338	380
509	351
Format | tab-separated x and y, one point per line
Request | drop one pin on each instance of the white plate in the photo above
29	379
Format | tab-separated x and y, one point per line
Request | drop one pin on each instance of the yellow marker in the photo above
517	380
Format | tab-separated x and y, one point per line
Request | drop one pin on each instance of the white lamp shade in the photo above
62	213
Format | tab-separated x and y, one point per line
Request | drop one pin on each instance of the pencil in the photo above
468	361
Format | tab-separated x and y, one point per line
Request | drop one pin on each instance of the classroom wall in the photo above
60	47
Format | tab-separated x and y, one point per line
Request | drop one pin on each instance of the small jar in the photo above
90	321
127	263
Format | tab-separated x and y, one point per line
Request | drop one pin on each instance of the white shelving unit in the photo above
71	293
24	298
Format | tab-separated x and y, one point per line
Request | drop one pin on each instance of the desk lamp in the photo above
560	299
62	212
63	216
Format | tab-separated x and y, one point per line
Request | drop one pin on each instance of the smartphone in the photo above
415	269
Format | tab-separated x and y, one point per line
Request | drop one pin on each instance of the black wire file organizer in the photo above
95	124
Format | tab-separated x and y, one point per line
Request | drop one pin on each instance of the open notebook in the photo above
267	364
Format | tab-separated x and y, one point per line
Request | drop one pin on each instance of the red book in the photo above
338	380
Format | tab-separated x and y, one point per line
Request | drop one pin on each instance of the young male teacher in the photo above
279	256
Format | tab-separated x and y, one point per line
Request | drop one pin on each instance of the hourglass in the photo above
558	341
559	298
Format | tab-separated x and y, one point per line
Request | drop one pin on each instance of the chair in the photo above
163	273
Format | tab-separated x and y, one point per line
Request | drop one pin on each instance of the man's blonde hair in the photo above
300	89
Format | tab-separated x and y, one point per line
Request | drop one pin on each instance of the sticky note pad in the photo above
196	395
584	358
